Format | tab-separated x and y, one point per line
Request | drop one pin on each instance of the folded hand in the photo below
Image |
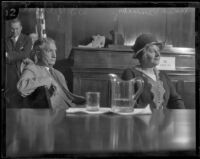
53	87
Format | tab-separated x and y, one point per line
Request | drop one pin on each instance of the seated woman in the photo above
158	91
42	73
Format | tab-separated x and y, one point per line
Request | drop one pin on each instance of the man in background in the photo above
18	47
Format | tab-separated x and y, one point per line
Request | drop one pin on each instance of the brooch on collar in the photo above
21	48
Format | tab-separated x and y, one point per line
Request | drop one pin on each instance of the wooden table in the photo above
34	132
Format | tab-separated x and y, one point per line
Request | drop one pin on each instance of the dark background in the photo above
72	26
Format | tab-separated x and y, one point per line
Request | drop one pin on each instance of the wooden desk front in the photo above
41	132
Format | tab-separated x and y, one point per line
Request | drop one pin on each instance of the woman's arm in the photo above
175	100
127	74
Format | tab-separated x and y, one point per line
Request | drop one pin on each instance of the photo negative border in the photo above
7	9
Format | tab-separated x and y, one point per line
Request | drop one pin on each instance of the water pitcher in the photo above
124	94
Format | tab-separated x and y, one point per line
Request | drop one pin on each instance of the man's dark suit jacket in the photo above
16	53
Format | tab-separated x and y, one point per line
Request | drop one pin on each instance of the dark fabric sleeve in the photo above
22	53
127	74
175	100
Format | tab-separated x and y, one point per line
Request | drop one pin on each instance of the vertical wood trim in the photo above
68	33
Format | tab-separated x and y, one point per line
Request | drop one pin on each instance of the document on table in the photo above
103	110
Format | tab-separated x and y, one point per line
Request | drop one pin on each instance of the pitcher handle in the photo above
140	83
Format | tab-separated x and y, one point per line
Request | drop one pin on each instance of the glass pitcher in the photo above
123	93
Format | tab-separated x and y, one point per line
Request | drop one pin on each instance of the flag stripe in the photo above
40	18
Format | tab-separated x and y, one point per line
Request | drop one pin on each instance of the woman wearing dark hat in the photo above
158	91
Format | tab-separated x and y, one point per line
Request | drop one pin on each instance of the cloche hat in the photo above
143	40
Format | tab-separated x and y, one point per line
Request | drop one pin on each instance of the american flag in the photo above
40	27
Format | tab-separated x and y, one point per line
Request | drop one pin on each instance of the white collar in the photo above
47	68
156	73
16	38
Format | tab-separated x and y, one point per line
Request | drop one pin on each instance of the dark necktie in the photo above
53	74
65	90
51	70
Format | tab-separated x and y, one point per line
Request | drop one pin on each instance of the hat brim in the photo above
159	44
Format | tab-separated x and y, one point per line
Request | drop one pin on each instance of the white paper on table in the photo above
145	110
83	110
103	110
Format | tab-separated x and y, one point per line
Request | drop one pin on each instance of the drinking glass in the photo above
92	101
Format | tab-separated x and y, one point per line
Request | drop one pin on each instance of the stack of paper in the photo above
103	110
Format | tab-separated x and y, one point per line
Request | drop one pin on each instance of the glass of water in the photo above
92	101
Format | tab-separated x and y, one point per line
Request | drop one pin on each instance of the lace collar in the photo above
157	88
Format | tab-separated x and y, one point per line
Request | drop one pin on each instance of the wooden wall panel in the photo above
189	95
93	82
71	26
176	26
58	27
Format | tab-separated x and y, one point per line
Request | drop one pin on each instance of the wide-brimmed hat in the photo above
144	40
